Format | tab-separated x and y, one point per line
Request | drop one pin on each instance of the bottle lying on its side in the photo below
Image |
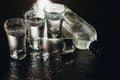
82	33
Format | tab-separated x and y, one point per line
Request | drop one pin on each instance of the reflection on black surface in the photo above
14	71
34	68
17	70
81	65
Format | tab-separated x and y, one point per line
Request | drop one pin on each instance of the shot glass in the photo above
36	23
16	33
54	17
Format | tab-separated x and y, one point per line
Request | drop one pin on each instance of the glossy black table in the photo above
103	15
80	65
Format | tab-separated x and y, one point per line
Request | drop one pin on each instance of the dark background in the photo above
102	14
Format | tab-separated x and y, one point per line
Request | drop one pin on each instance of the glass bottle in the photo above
77	28
83	34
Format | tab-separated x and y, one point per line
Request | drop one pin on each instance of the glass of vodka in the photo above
16	33
54	17
54	13
36	23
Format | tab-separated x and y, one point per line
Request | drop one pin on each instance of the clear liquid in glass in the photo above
35	32
54	23
17	42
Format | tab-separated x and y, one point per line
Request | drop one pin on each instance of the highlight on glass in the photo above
36	23
16	33
54	14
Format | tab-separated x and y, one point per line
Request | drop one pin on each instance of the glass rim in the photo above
30	14
12	19
27	13
64	8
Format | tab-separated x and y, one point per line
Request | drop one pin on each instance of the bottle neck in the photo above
97	48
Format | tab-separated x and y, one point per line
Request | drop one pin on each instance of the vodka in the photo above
54	19
82	33
17	40
35	32
36	21
54	23
54	14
